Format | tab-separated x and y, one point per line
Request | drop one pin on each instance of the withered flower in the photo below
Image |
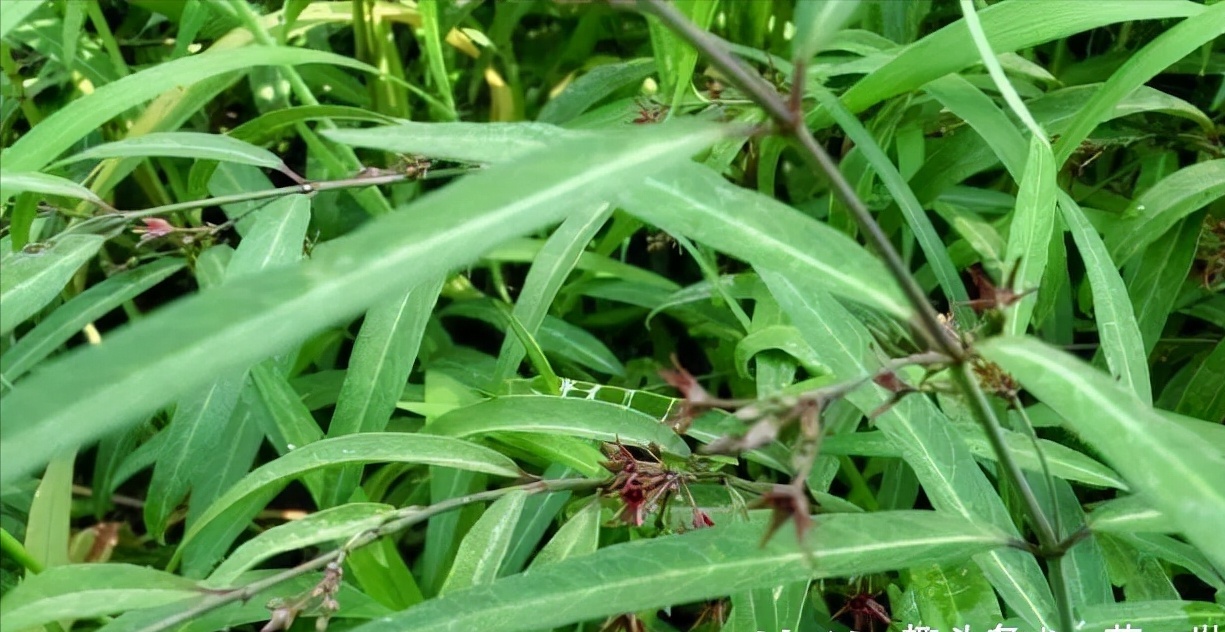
641	485
787	502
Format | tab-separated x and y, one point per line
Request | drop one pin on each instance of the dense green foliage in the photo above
526	315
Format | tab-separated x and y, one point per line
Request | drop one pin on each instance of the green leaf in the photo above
14	182
84	308
578	537
35	276
698	565
1031	230
1155	277
48	527
194	145
1152	615
775	608
357	605
1116	321
174	351
1161	52
337	523
483	549
437	65
81	591
1204	396
589	419
217	527
467	142
13	13
933	247
940	459
549	270
783	338
953	595
817	22
1064	462
1128	514
593	86
1119	426
698	203
1009	26
61	130
382	359
1159	208
265	127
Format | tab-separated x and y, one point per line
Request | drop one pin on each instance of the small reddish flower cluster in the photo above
643	486
154	227
650	112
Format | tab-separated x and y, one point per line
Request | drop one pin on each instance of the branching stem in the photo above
397	521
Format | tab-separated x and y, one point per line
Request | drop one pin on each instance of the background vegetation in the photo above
525	315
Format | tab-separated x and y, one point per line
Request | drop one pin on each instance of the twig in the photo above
110	221
397	521
790	122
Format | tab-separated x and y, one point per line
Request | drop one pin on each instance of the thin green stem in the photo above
964	377
110	221
18	553
398	521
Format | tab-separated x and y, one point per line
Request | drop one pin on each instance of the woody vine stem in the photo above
788	117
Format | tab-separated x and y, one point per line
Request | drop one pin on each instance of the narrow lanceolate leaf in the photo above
579	536
1009	26
549	270
33	277
1159	208
1154	278
560	415
1204	396
938	455
920	224
58	132
203	424
697	565
337	523
195	145
1153	615
67	320
817	22
483	549
382	358
1154	455
698	203
590	88
489	143
1029	234
221	523
589	419
1165	49
13	13
155	361
90	590
1116	321
12	183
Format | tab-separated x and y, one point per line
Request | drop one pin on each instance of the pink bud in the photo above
157	227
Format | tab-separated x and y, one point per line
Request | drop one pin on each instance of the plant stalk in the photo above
789	119
398	521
